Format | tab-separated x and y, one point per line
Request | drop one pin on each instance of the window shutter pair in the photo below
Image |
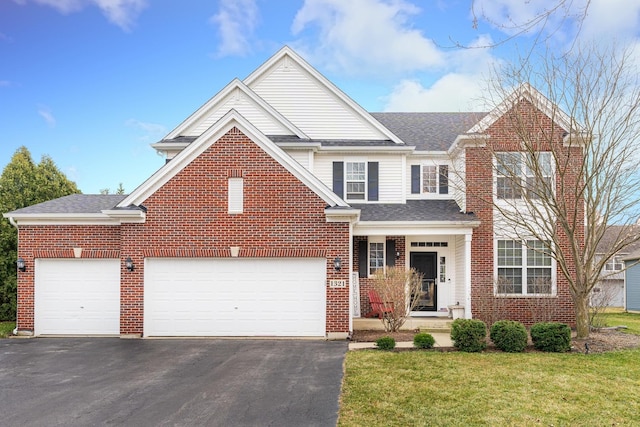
363	256
443	171
372	180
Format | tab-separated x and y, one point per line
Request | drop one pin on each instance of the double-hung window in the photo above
356	179
614	264
429	179
523	174
376	257
524	268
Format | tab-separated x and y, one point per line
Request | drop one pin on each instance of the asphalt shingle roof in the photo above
428	131
413	210
74	204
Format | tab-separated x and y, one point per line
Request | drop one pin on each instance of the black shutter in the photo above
338	178
415	179
443	170
373	181
363	258
390	250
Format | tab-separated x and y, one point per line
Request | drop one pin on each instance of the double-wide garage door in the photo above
234	297
77	297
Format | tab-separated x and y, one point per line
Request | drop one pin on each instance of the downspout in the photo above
15	224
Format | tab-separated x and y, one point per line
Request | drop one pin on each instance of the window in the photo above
356	180
524	268
614	264
434	179
376	257
236	202
518	172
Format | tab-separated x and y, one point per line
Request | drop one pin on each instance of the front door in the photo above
425	263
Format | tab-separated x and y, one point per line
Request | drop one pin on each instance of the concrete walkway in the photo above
442	340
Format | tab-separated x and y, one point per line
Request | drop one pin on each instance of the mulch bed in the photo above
599	341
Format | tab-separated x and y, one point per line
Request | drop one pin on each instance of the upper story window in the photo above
524	268
356	181
236	195
614	264
521	175
429	179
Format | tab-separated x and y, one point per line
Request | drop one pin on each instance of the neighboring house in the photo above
632	281
610	290
280	198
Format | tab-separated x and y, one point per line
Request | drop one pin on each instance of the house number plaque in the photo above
337	283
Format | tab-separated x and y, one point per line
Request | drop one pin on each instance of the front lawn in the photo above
6	328
631	320
434	388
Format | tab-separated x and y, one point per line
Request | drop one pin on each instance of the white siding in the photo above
300	156
245	106
309	105
391	173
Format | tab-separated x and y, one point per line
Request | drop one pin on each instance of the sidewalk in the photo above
442	340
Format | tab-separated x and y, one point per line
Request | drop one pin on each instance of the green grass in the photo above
631	320
432	388
422	388
6	328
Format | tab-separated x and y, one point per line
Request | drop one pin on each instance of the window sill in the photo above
528	296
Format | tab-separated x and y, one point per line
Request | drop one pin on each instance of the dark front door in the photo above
425	263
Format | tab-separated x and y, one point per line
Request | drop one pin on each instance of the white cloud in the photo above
46	113
152	131
461	89
236	20
612	18
365	36
122	13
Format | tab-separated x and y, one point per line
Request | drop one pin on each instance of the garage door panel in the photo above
77	297
235	297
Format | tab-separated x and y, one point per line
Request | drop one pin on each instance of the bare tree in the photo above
399	289
575	173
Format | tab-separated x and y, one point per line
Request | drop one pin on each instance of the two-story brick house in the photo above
280	198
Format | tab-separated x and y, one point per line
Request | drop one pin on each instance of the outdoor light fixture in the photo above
337	263
129	264
397	254
21	264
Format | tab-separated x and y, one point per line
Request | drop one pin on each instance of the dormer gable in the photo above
312	102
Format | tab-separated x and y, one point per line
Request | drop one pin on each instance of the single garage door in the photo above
77	297
234	297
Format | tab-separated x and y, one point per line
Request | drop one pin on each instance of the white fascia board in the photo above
126	215
287	51
349	215
576	139
413	228
367	149
299	145
531	94
209	137
62	219
468	141
431	154
169	146
235	84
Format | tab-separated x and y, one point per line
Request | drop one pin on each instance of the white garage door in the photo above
234	297
77	297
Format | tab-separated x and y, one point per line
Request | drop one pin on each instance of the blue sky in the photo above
93	82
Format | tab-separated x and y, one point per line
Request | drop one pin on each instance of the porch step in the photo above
424	324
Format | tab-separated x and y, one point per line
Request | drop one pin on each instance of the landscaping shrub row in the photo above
470	335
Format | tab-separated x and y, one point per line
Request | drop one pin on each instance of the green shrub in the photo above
509	336
386	343
551	336
423	340
469	335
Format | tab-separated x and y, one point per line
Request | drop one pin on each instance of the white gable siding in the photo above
309	106
243	105
390	169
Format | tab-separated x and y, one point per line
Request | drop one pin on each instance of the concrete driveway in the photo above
200	382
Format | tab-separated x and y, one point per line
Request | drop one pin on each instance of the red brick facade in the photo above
188	217
479	173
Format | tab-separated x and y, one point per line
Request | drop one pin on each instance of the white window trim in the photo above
376	239
437	193
235	195
524	294
366	181
523	176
